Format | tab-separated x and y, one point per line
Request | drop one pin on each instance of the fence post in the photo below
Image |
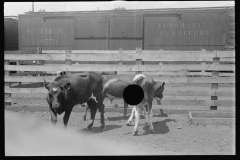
121	63
214	85
18	63
139	61
68	61
203	63
39	51
120	52
7	104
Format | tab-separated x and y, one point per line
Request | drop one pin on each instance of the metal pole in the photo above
32	7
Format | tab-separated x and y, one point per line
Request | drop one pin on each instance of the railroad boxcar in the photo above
10	34
168	29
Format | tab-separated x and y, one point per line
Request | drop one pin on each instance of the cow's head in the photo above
56	93
159	88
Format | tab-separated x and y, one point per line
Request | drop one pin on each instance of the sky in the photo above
15	8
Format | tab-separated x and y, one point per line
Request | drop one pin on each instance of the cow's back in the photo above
82	86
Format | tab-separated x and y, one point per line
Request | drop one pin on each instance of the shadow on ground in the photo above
127	117
117	118
95	130
160	115
160	127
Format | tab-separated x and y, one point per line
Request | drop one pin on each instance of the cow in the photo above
151	89
111	91
114	86
70	89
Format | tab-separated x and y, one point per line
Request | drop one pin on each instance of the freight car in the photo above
168	29
10	34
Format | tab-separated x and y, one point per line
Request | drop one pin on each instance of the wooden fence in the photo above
195	80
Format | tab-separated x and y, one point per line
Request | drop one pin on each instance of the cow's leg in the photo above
85	114
53	116
101	110
125	110
137	117
146	117
93	109
150	114
66	116
131	116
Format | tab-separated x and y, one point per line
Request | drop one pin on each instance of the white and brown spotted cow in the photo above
151	89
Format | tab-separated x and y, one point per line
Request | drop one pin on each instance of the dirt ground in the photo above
173	133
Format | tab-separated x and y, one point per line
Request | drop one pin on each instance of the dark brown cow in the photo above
68	90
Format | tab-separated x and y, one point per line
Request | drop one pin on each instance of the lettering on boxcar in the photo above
45	31
44	41
200	29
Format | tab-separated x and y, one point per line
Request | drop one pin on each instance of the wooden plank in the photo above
46	57
109	67
233	98
27	101
231	25
166	97
28	79
212	118
165	79
165	102
29	95
167	92
223	54
232	18
108	57
188	93
26	90
227	59
227	75
225	103
166	108
167	87
126	51
148	53
231	34
171	73
224	67
225	93
19	52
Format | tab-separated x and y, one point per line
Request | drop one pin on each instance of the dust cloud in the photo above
28	136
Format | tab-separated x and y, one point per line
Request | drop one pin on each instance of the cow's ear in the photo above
163	84
46	84
66	85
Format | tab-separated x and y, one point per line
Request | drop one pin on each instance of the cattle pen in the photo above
192	50
195	80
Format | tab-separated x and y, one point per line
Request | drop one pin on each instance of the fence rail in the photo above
193	78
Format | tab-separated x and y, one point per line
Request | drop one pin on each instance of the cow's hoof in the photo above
135	133
128	124
103	127
151	131
89	126
146	124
